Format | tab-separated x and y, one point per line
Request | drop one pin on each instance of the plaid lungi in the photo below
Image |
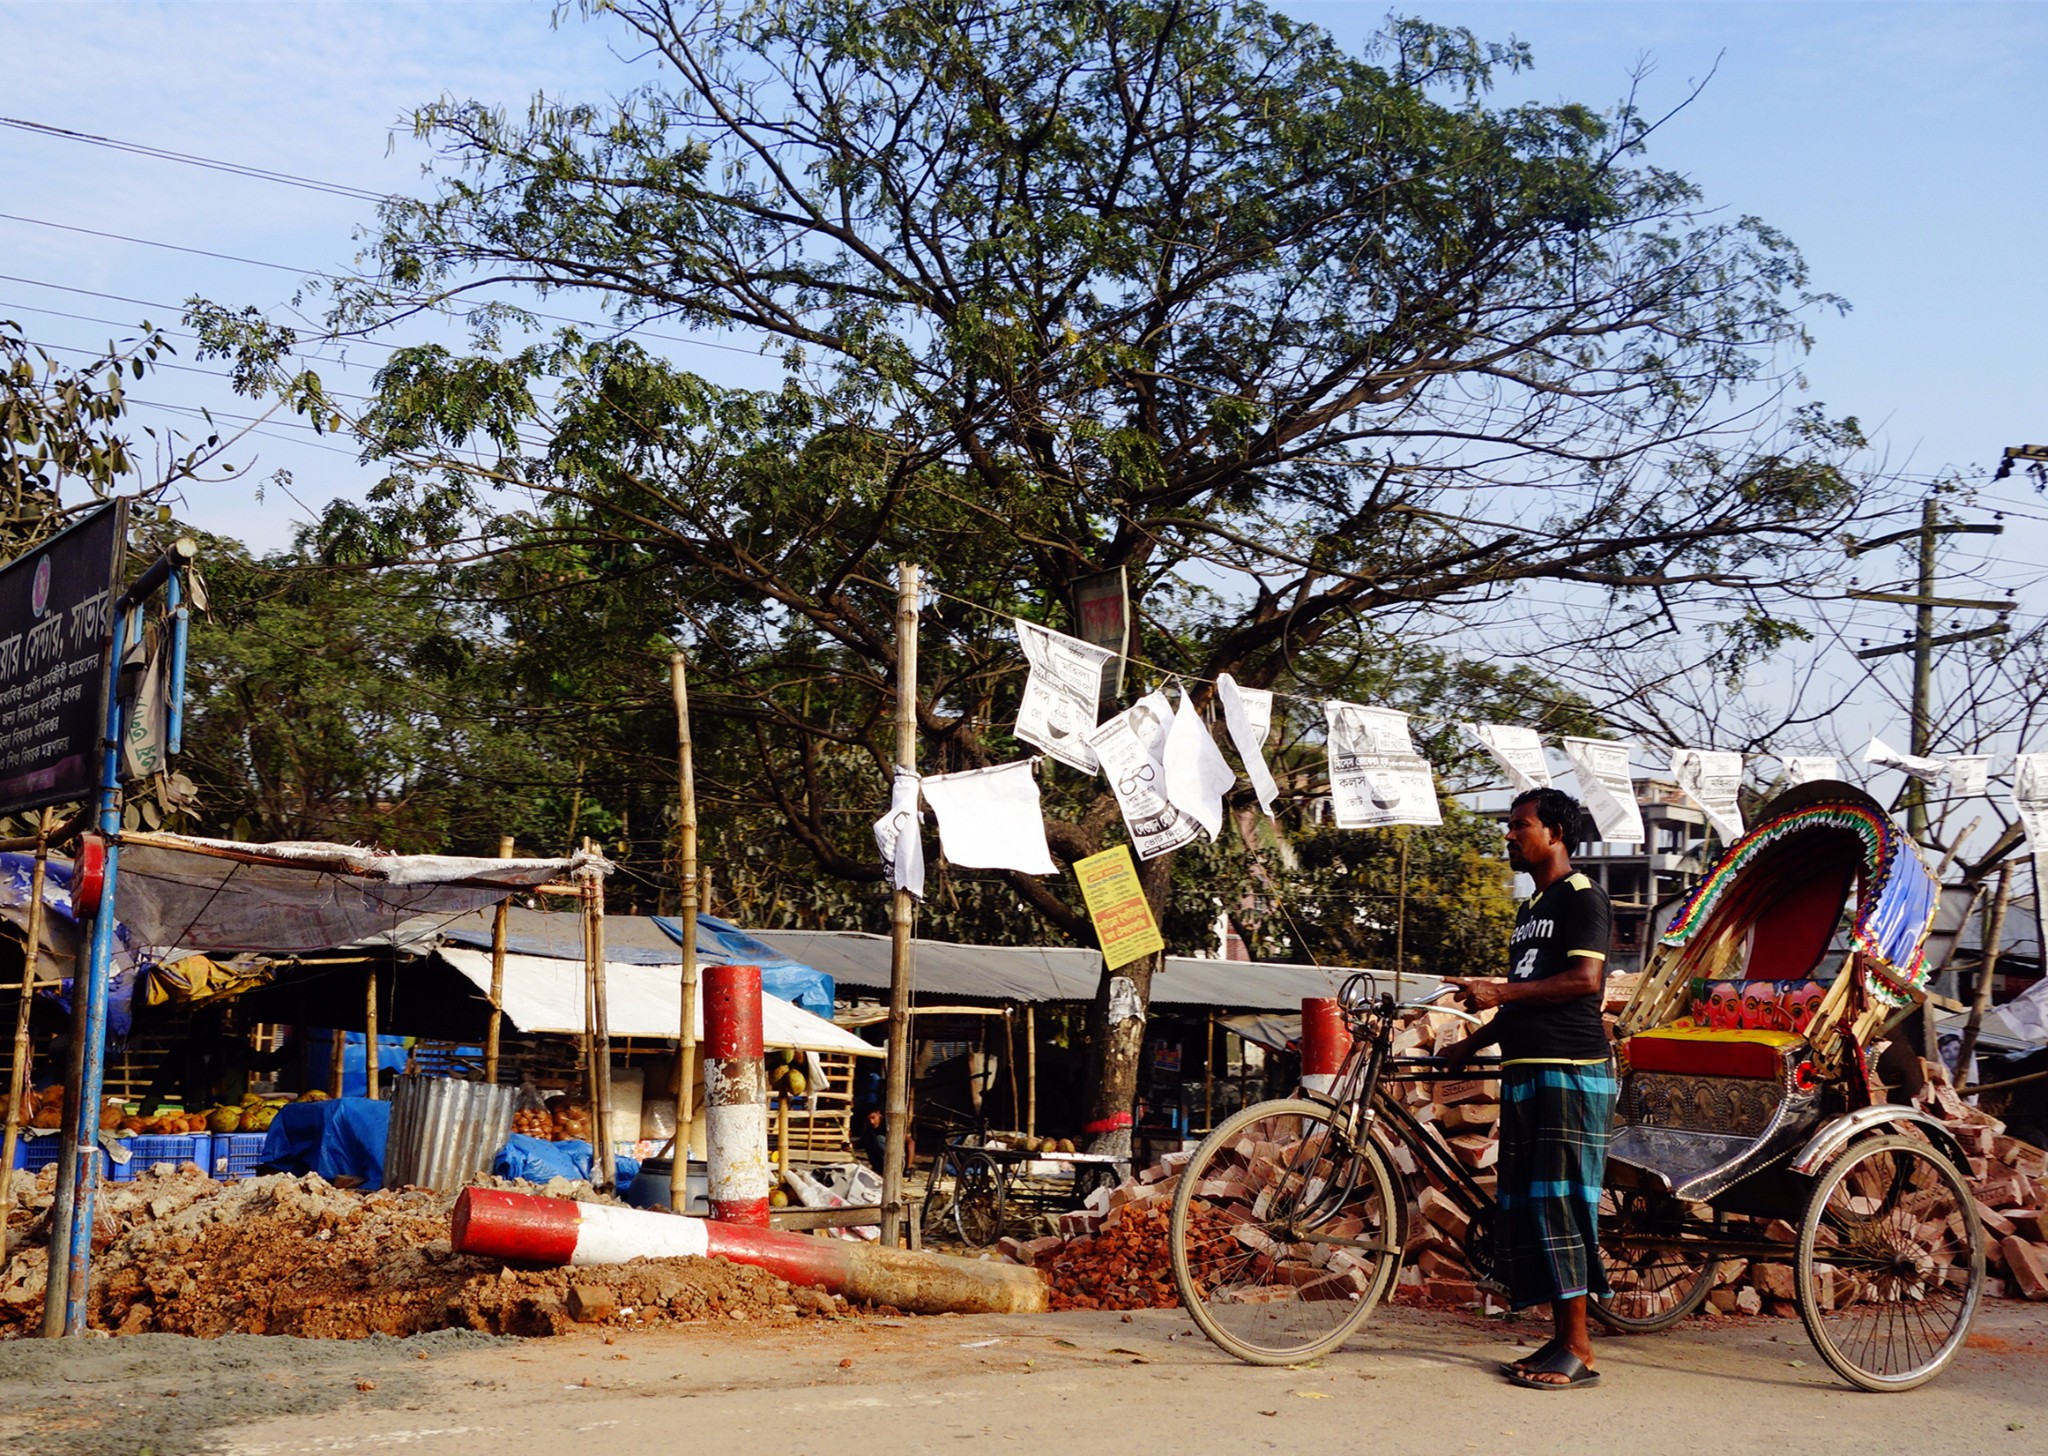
1554	1122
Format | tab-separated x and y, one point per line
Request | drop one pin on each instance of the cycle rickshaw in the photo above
1747	1128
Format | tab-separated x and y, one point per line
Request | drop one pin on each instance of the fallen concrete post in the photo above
556	1231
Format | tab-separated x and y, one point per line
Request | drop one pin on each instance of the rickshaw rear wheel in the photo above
1658	1276
1285	1233
1890	1263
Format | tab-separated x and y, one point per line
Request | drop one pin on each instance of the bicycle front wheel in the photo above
1284	1232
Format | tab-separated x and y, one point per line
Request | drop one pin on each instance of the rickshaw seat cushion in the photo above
1703	1052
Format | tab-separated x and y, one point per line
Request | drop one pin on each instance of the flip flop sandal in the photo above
1544	1351
1563	1362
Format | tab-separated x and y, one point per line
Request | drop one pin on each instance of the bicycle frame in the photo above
1363	1102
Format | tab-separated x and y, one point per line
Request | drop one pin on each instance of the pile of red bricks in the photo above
1111	1253
2009	1180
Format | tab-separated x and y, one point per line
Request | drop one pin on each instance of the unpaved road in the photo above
1073	1384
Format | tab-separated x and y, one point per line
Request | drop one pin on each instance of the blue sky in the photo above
1900	145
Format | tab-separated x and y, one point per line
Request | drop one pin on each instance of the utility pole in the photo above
902	908
1923	641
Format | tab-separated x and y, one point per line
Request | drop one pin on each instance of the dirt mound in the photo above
279	1255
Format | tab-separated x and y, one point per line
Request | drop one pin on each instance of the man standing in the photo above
1557	1087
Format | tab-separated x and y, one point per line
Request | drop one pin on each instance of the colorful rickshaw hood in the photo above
1896	896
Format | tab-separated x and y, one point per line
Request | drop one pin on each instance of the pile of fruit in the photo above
1031	1143
44	1111
561	1120
786	1073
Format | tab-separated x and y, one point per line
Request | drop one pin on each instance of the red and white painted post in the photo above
736	1165
1325	1043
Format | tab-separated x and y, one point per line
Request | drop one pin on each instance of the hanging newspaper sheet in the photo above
1197	775
1518	750
1060	694
1605	787
2030	798
1928	770
990	818
1116	903
1248	713
1138	778
1376	776
1711	780
1969	774
56	628
1102	608
1806	770
900	836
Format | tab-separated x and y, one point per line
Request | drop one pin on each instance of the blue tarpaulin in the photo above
343	1139
535	1160
721	943
391	1057
16	877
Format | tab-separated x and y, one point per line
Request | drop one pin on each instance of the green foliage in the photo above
1332	356
60	424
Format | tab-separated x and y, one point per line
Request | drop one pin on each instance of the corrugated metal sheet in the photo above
943	970
444	1131
994	973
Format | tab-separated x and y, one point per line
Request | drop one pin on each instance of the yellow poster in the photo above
1117	905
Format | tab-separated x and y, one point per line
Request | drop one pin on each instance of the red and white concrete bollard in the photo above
737	1172
499	1224
1325	1042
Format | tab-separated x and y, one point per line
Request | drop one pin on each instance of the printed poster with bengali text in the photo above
1061	694
1116	903
1376	776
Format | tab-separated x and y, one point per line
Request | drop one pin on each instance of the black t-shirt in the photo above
1569	919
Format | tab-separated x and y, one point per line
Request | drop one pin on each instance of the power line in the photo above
164	154
349	278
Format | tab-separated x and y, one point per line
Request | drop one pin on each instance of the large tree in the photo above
1330	355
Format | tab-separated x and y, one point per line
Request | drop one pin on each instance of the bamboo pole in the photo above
603	1170
1010	1069
1209	1072
686	879
337	1049
1987	971
18	1069
1030	1069
901	910
493	1033
370	1048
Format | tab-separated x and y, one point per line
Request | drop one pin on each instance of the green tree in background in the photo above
1325	352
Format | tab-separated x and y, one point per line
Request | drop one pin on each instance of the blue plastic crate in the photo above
148	1149
36	1154
236	1154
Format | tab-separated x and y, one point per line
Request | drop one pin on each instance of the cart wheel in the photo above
1656	1259
1890	1263
977	1200
1284	1233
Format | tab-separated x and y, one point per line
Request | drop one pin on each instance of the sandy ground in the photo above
1410	1381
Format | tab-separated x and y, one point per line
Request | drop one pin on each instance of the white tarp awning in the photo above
542	994
218	895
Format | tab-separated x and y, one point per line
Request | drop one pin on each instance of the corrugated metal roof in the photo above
1041	973
942	969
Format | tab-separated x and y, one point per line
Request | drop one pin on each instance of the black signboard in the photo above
56	628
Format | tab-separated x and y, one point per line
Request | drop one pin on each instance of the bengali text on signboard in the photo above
56	610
